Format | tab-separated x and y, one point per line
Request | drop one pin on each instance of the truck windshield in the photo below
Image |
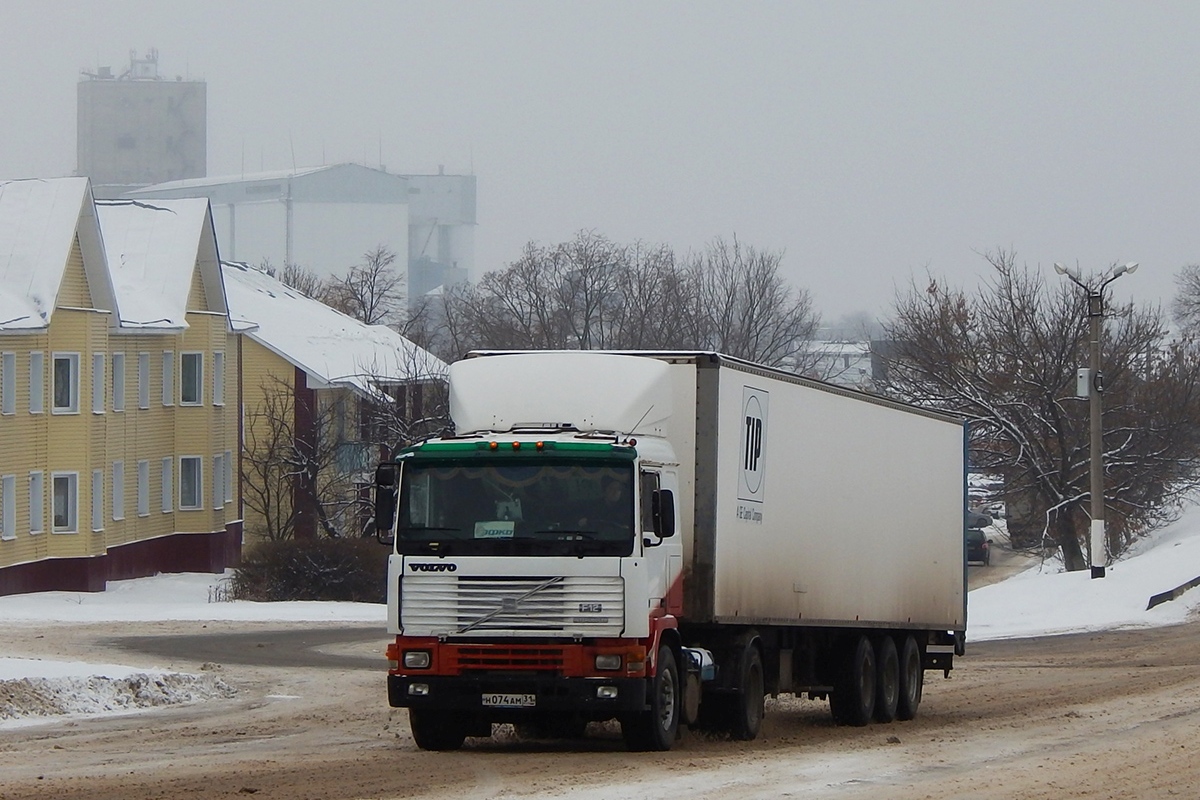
551	508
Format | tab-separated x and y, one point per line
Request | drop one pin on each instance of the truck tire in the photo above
912	678
887	680
853	698
746	719
656	729
432	730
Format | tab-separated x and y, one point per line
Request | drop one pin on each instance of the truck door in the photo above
664	554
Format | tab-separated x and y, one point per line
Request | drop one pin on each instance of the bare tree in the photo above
655	300
371	291
303	280
745	308
1006	357
591	293
1186	306
293	481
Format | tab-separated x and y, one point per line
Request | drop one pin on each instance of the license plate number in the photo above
500	700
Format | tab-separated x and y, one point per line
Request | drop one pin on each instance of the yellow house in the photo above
323	394
118	431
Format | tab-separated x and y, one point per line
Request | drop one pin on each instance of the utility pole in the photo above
1095	388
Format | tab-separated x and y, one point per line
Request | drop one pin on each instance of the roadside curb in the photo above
1163	597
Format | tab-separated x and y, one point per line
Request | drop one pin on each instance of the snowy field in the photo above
1038	601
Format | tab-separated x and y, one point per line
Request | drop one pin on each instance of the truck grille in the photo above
448	605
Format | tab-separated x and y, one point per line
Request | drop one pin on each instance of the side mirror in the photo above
664	513
385	502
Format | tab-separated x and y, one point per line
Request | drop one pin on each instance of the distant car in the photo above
978	518
979	547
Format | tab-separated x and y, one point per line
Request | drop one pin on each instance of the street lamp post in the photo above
1094	290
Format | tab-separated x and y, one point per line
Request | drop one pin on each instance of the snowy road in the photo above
1104	713
1089	715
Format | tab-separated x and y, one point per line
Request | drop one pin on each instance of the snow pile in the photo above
35	690
49	689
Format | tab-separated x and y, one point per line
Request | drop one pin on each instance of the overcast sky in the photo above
869	141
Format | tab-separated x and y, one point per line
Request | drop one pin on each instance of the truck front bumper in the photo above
596	698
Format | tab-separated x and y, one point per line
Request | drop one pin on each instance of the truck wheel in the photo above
748	708
912	677
853	698
436	731
656	729
887	683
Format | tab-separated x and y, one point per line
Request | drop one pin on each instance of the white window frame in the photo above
118	490
143	380
8	507
71	482
98	383
218	482
228	476
8	383
197	383
143	488
168	493
37	502
196	485
72	406
168	377
118	382
97	500
218	378
37	382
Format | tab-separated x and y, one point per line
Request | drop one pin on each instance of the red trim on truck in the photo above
567	660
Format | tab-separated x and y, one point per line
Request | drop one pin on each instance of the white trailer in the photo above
664	539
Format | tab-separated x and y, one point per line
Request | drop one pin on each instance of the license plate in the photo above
499	700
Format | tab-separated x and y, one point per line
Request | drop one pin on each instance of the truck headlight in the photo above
417	659
608	661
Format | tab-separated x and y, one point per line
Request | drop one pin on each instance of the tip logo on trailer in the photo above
752	472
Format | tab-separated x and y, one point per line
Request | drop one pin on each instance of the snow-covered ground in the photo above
1043	600
1038	601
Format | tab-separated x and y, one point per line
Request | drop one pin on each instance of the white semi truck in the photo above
665	539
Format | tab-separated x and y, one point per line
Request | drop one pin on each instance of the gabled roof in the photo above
332	348
39	219
153	249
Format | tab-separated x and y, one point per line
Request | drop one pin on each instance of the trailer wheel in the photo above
853	698
887	684
656	729
746	721
912	677
434	731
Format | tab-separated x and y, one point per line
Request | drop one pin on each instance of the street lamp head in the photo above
1130	268
1070	272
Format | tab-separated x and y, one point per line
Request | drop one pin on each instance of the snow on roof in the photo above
219	180
38	222
331	347
152	250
